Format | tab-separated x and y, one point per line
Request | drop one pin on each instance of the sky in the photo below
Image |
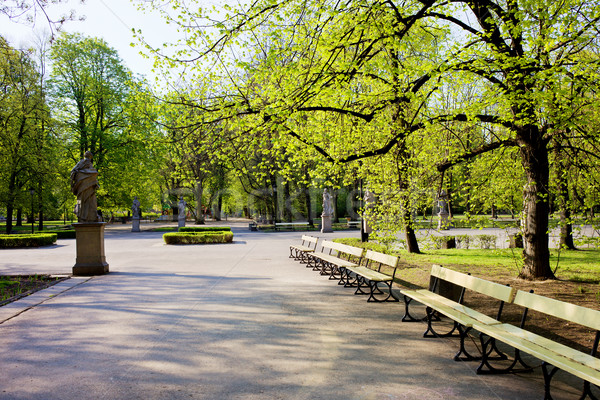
111	20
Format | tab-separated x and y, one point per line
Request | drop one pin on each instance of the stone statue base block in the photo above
181	222
90	249
135	225
326	224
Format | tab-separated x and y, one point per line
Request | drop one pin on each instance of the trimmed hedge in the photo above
22	240
62	233
198	237
205	229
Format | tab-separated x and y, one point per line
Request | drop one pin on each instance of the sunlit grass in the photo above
574	265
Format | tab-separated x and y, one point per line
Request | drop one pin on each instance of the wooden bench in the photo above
353	224
334	258
463	317
299	252
293	225
370	275
554	356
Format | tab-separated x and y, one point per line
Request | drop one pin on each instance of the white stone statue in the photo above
369	199
327	204
84	182
135	208
181	205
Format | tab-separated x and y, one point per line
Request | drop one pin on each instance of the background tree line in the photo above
491	101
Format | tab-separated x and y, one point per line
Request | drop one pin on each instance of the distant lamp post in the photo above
31	192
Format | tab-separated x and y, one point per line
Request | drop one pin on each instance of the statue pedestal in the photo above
443	223
90	249
326	224
135	225
181	222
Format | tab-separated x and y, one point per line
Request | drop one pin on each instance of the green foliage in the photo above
205	229
381	248
31	240
102	108
198	237
62	233
462	241
486	241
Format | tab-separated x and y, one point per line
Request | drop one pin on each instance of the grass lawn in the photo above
569	265
26	227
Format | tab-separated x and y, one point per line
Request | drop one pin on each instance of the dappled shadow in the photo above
243	335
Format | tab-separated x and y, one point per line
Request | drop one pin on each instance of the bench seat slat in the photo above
566	358
370	274
462	314
334	260
304	249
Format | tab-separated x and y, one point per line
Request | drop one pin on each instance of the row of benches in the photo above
346	264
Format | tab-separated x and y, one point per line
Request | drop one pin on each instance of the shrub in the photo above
444	242
462	241
487	241
30	240
198	237
62	233
205	229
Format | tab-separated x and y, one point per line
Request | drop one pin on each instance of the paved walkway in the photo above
234	321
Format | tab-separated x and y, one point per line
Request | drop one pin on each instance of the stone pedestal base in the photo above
326	224
181	222
90	249
443	222
135	225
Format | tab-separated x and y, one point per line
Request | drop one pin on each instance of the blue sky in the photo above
111	20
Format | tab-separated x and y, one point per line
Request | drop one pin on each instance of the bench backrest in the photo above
310	241
383	259
556	308
342	248
492	289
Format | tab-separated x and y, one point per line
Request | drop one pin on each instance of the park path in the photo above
235	321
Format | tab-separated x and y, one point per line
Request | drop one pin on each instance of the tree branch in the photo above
475	152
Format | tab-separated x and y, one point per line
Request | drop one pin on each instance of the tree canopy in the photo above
345	81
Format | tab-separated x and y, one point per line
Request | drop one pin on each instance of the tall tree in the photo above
23	109
105	110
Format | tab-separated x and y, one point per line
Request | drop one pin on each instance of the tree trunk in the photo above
412	245
287	202
199	210
40	208
564	204
566	229
274	201
536	255
218	206
305	195
9	217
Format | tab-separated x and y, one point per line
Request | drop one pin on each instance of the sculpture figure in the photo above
135	208
84	182
327	204
369	199
181	206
